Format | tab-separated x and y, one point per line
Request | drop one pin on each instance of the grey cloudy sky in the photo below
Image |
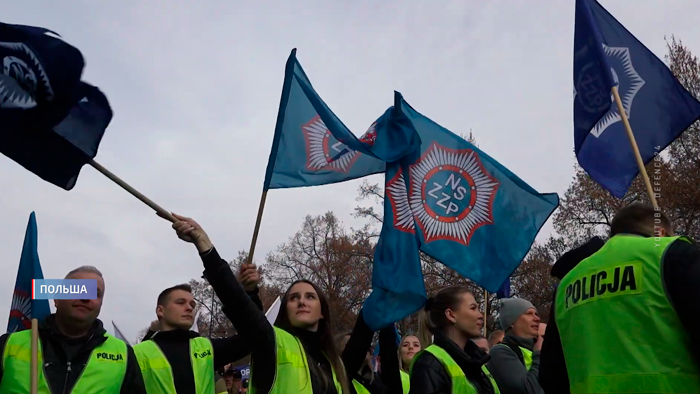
195	87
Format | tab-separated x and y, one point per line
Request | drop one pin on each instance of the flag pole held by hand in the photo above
161	212
34	373
635	148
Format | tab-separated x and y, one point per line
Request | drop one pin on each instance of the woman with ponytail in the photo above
453	364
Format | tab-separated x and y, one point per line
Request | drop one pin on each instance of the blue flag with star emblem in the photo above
458	205
23	308
51	122
659	109
312	147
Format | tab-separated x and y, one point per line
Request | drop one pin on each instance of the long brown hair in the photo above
325	334
432	316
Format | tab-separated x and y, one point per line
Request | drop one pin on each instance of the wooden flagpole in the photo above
34	372
161	212
486	312
635	148
254	241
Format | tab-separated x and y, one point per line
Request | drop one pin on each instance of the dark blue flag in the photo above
504	290
23	308
58	155
51	123
313	147
456	204
658	107
40	78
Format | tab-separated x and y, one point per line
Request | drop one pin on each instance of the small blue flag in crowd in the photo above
504	290
398	342
456	204
659	109
312	147
51	122
23	308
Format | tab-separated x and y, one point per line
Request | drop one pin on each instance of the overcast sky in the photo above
195	88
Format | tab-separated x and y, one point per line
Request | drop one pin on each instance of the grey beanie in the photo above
511	310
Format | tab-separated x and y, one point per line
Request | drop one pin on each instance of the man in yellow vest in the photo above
627	315
76	355
178	360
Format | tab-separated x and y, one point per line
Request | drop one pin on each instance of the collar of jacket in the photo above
471	357
174	335
528	344
49	329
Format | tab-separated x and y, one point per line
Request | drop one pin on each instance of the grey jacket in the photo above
510	373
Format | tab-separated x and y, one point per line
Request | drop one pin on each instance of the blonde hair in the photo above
401	345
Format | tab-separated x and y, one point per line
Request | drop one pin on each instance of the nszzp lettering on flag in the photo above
64	289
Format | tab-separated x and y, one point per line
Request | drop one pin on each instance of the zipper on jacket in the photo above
65	383
66	389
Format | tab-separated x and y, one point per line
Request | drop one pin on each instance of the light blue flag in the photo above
23	308
313	147
456	204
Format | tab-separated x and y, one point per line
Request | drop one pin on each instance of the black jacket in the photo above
681	276
251	324
389	381
430	377
65	358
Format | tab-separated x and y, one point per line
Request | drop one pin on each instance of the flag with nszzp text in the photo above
312	147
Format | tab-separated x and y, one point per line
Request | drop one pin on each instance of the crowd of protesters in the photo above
622	321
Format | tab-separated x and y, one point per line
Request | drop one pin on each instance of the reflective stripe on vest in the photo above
527	355
405	382
103	373
158	374
292	373
359	388
619	332
460	383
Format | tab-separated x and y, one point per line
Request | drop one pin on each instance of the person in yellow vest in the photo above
627	315
453	363
408	348
76	354
178	360
296	354
515	362
551	369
